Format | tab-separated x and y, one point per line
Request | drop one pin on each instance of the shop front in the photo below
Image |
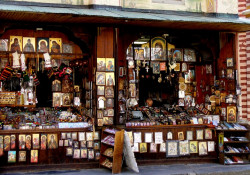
68	72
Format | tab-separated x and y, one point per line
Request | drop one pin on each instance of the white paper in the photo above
148	137
16	60
137	137
47	60
210	146
158	137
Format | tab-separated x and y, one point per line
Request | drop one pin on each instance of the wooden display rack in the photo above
116	159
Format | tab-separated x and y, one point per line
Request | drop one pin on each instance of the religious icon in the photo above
180	136
84	153
210	146
11	156
189	135
13	141
109	92
132	90
96	146
172	148
100	122
101	64
139	53
148	137
22	156
69	151
21	141
110	103
230	62
28	142
76	154
55	45
110	81
158	47
67	99
177	55
231	114
52	141
193	145
199	134
163	147
16	44
43	141
153	147
184	67
156	67
101	103
208	134
34	156
91	154
230	73
110	63
42	44
184	147
29	44
57	99
143	147
177	67
35	140
4	44
6	146
202	148
100	78
100	90
56	85
189	55
162	66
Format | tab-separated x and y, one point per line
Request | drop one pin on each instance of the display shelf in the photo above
108	144
236	142
236	153
106	166
107	156
168	126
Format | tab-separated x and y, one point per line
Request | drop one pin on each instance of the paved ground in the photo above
176	169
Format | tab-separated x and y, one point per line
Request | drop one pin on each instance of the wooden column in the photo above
105	42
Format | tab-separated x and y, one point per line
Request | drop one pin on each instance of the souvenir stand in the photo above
174	90
46	101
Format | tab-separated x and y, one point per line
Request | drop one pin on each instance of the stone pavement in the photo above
174	169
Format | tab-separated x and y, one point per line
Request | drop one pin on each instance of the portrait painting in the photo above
101	64
12	141
153	147
100	90
29	44
163	147
180	135
81	136
231	114
22	140
210	146
28	142
55	45
189	135
177	55
76	154
110	79
36	141
91	154
208	134
189	55
100	78
22	156
52	141
42	44
193	145
67	99
4	44
202	148
230	62
139	53
11	156
6	143
184	148
43	141
148	137
57	99
172	148
84	153
34	156
199	134
110	64
69	151
156	67
109	92
16	44
143	147
158	48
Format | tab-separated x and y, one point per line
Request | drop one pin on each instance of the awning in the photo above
120	17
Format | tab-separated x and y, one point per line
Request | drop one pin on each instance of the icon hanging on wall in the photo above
42	44
16	43
110	64
29	44
177	55
55	45
158	49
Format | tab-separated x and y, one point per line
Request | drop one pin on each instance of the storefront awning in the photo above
120	17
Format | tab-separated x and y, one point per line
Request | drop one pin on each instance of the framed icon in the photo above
16	44
22	156
143	147
202	148
100	78
109	92
110	79
184	147
193	145
177	55
189	55
11	156
199	134
158	48
100	90
172	148
42	44
55	45
36	141
231	114
4	44
230	62
101	64
110	64
34	156
29	44
52	141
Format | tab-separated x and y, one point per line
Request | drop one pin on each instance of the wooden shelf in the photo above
237	142
106	166
232	130
107	156
108	144
168	126
237	153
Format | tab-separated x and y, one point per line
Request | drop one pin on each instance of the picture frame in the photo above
63	135
158	137
4	43
22	140
57	99
101	102
12	141
101	64
28	142
66	143
132	90
100	90
172	148
61	143
110	79
169	135
52	141
180	135
190	76
74	135
109	92
67	99
184	67
158	49
96	135
97	155
139	53
22	156
69	151
162	148
110	103
156	67
177	55
162	66
190	135
56	85
131	64
16	44
36	141
70	143
208	134
97	146
110	112
34	156
137	137
148	137
230	73
67	48
184	148
90	144
181	102
76	154
100	78
83	144
231	114
210	146
135	147
99	114
11	156
91	154
189	55
55	45
81	136
153	148
29	44
199	134
68	135
143	147
43	141
100	122
89	136
84	153
209	69
42	44
193	146
203	148
230	62
177	67
110	64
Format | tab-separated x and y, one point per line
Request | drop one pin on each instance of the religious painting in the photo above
158	49
143	147
89	136
91	154
109	92
139	53
21	141
100	122
132	90
96	145
56	86
230	73
55	45
163	147
28	142
148	137
177	67
74	135
90	144
190	76
153	147
189	55
209	69
22	156
6	146
101	103
169	135
4	44
100	78
162	66
69	151
230	62
158	137
34	156
208	134
184	148
101	64
42	44
156	67
110	103
43	141
199	134
129	53
110	112
137	137
29	44
110	79
12	141
36	141
193	146
231	114
67	48
57	99
52	141
110	64
81	136
100	90
177	55
202	148
11	156
180	136
67	99
172	148
189	135
210	146
16	44
66	142
184	67
84	153
76	154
